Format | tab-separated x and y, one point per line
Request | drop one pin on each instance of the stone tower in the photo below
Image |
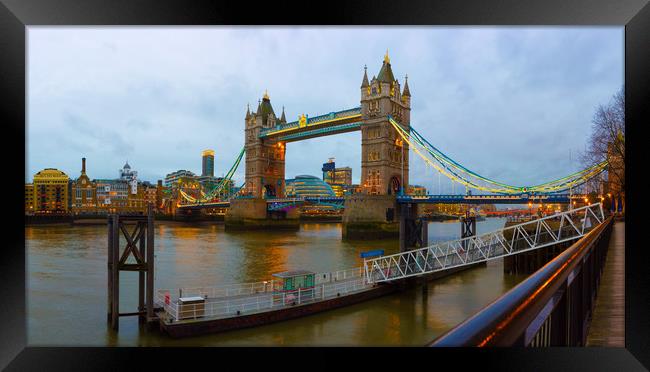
264	158
384	155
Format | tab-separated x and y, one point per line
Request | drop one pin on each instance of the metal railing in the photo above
539	233
237	299
552	307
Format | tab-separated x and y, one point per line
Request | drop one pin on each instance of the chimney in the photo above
83	165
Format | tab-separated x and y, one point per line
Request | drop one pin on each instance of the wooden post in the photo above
141	277
150	267
115	311
109	300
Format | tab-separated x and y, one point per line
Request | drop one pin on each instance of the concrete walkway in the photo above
608	321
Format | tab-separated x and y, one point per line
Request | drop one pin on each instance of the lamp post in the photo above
402	181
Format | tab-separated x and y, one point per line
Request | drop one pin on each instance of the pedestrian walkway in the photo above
608	321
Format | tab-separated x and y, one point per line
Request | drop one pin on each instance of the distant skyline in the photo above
511	103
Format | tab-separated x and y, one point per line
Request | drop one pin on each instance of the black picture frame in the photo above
16	15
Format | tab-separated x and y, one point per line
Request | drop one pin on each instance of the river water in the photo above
66	284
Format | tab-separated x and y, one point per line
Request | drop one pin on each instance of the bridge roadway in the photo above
424	199
322	125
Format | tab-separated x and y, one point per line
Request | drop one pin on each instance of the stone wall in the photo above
251	214
365	217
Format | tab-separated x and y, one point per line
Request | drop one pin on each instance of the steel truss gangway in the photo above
557	228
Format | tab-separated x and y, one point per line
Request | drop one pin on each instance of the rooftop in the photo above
293	273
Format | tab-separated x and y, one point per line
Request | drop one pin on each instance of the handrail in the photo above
504	321
327	285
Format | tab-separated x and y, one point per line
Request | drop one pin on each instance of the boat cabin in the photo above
293	280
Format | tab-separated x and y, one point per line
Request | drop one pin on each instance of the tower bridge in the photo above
384	120
384	164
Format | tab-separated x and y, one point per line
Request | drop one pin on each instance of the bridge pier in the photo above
467	228
413	230
370	217
253	214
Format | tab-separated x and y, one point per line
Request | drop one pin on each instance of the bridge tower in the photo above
384	155
374	213
264	158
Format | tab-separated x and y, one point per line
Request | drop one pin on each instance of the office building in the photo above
207	168
308	186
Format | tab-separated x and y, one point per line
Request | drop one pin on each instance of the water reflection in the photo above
67	285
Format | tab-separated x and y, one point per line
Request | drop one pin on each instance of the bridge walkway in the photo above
608	321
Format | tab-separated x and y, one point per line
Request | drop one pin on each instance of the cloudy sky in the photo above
513	104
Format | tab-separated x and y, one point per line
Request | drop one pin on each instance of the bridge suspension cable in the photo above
458	173
219	187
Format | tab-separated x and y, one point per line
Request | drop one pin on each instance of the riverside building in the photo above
308	186
83	195
50	192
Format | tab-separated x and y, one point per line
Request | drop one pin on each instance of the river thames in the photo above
66	286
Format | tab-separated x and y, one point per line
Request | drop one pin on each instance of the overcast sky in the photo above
513	104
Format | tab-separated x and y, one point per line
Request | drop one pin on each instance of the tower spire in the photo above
365	82
283	118
266	94
386	72
407	92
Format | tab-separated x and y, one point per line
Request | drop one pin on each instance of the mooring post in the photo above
109	300
403	233
412	229
140	246
424	226
141	276
150	263
115	254
467	228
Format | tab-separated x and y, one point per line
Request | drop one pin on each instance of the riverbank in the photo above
88	220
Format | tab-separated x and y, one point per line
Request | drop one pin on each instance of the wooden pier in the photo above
138	255
607	326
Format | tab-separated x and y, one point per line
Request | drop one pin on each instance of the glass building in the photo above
308	186
207	169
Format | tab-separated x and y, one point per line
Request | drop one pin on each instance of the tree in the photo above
607	142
